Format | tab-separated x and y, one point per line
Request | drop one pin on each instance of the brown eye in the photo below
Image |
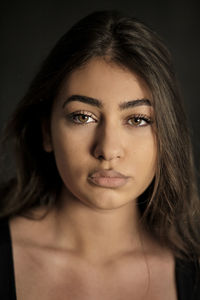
136	121
82	118
139	121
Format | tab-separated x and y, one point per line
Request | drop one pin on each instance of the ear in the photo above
46	136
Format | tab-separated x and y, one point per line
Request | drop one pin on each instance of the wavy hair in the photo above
170	206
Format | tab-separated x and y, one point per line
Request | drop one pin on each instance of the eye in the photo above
81	118
139	120
84	118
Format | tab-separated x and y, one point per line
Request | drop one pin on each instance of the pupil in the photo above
137	120
83	118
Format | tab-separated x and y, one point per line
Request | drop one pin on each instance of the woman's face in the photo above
102	120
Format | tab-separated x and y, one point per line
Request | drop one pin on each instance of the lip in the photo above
108	178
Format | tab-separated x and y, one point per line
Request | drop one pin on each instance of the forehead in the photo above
106	81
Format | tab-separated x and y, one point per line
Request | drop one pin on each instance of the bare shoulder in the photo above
136	274
30	230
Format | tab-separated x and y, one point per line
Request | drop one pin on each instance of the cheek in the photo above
71	152
144	155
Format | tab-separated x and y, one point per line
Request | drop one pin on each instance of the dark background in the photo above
29	29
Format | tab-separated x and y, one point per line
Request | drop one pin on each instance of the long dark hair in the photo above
170	205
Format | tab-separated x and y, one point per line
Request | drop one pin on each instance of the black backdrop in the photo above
29	29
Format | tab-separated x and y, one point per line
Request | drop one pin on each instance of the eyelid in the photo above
142	116
84	112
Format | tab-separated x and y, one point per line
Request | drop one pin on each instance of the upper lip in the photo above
107	173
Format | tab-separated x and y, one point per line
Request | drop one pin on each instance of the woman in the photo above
104	202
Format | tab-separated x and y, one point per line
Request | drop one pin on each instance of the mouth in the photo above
108	178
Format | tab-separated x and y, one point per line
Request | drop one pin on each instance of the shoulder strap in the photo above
7	282
188	280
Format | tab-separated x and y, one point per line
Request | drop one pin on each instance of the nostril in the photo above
101	157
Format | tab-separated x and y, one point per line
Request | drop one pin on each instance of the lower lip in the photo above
110	182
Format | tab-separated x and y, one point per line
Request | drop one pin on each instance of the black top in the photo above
187	274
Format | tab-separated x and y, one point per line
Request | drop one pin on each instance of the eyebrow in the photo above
99	104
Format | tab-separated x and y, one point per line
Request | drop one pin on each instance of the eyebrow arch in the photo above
98	103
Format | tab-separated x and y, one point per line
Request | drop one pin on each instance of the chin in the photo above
106	202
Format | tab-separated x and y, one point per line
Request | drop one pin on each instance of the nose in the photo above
108	144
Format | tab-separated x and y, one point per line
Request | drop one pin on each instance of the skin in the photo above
92	244
124	147
109	141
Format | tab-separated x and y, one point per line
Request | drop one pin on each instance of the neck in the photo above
97	233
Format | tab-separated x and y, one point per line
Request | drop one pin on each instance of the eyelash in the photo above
142	117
